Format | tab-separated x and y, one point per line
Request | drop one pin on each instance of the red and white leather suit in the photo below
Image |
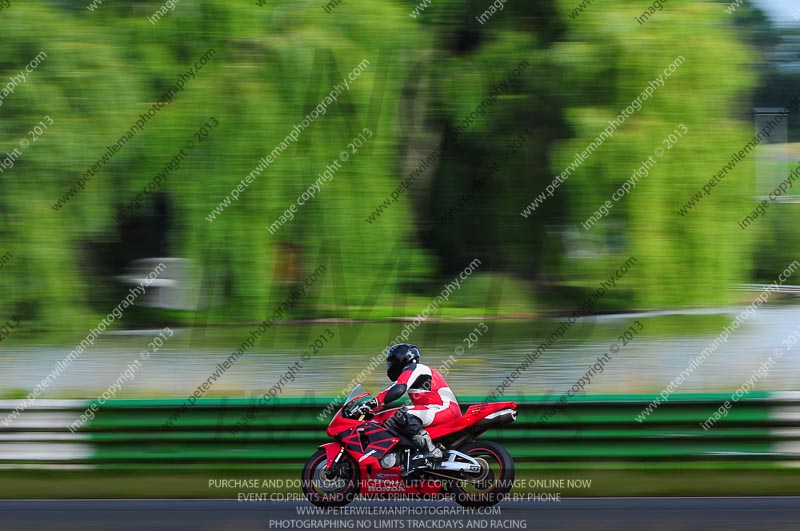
433	401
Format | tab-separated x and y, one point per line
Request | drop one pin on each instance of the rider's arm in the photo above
391	394
396	390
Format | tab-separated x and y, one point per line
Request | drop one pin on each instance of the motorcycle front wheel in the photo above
329	488
492	483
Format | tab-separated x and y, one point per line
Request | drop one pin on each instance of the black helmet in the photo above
398	356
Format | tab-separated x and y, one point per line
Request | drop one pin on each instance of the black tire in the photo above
339	492
497	481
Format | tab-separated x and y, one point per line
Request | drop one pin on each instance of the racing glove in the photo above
368	406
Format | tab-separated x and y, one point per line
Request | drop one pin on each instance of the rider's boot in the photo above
423	441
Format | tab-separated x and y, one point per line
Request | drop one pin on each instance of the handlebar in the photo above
354	414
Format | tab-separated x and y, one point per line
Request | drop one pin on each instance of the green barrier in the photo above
764	427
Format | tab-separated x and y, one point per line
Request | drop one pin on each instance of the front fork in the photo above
333	452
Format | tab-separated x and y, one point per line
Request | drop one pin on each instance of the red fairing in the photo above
332	449
370	442
339	423
473	415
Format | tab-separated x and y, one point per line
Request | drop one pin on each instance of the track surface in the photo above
667	514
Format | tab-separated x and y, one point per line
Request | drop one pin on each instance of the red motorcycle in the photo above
373	460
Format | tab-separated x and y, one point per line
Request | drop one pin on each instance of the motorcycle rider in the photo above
433	401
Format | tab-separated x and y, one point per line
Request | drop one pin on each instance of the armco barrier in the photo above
763	428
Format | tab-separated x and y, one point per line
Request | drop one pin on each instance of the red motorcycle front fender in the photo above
332	449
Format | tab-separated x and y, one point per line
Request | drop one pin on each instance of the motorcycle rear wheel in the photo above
495	481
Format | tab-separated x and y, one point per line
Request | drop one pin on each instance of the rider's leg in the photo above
419	436
411	423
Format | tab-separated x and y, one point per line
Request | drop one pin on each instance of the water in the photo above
646	364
